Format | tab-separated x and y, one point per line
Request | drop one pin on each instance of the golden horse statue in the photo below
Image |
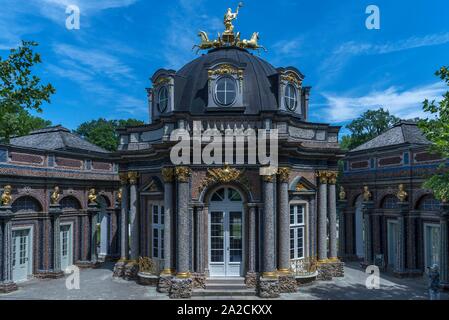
253	43
206	43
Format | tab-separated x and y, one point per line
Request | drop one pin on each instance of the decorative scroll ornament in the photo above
284	174
92	196
229	38
402	194
223	175
182	174
161	81
54	198
133	176
322	176
168	175
226	69
342	194
366	194
6	196
291	77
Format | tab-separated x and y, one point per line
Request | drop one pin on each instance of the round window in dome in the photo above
290	97
163	99
225	91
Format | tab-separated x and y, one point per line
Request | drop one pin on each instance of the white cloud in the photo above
289	48
343	53
403	104
97	61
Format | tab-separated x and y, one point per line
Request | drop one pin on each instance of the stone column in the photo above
181	286
55	212
269	282
133	216
6	279
269	255
444	245
250	277
92	211
283	222
322	216
400	258
341	228
332	206
168	177
367	207
119	268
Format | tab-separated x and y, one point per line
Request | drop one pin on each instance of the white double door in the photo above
226	243
21	254
66	246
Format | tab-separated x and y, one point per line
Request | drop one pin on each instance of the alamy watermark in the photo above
235	146
372	22
373	280
72	22
72	282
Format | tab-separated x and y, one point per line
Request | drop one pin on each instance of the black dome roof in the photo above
259	85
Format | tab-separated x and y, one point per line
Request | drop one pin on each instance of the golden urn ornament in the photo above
54	198
366	194
92	196
6	196
402	194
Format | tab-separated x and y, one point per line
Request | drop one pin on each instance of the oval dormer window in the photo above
225	91
163	99
290	97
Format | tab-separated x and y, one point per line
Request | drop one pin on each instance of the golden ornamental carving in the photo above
147	265
268	178
161	81
119	195
168	175
402	194
226	69
6	196
300	187
182	174
123	178
229	37
291	77
342	194
366	194
133	176
223	175
92	196
54	198
332	177
284	174
322	176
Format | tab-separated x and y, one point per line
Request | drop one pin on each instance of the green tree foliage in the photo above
21	92
367	126
102	132
436	129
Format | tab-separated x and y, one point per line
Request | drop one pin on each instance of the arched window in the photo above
228	194
429	203
225	91
70	203
26	204
103	202
390	202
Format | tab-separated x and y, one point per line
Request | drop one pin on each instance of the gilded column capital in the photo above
168	174
284	174
123	178
332	177
182	174
133	176
268	178
322	176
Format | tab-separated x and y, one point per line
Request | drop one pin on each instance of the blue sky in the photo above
102	69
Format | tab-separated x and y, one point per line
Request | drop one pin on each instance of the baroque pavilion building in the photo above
204	225
187	226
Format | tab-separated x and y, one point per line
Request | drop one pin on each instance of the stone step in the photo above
225	286
223	293
226	281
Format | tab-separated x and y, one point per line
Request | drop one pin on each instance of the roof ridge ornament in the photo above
228	38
